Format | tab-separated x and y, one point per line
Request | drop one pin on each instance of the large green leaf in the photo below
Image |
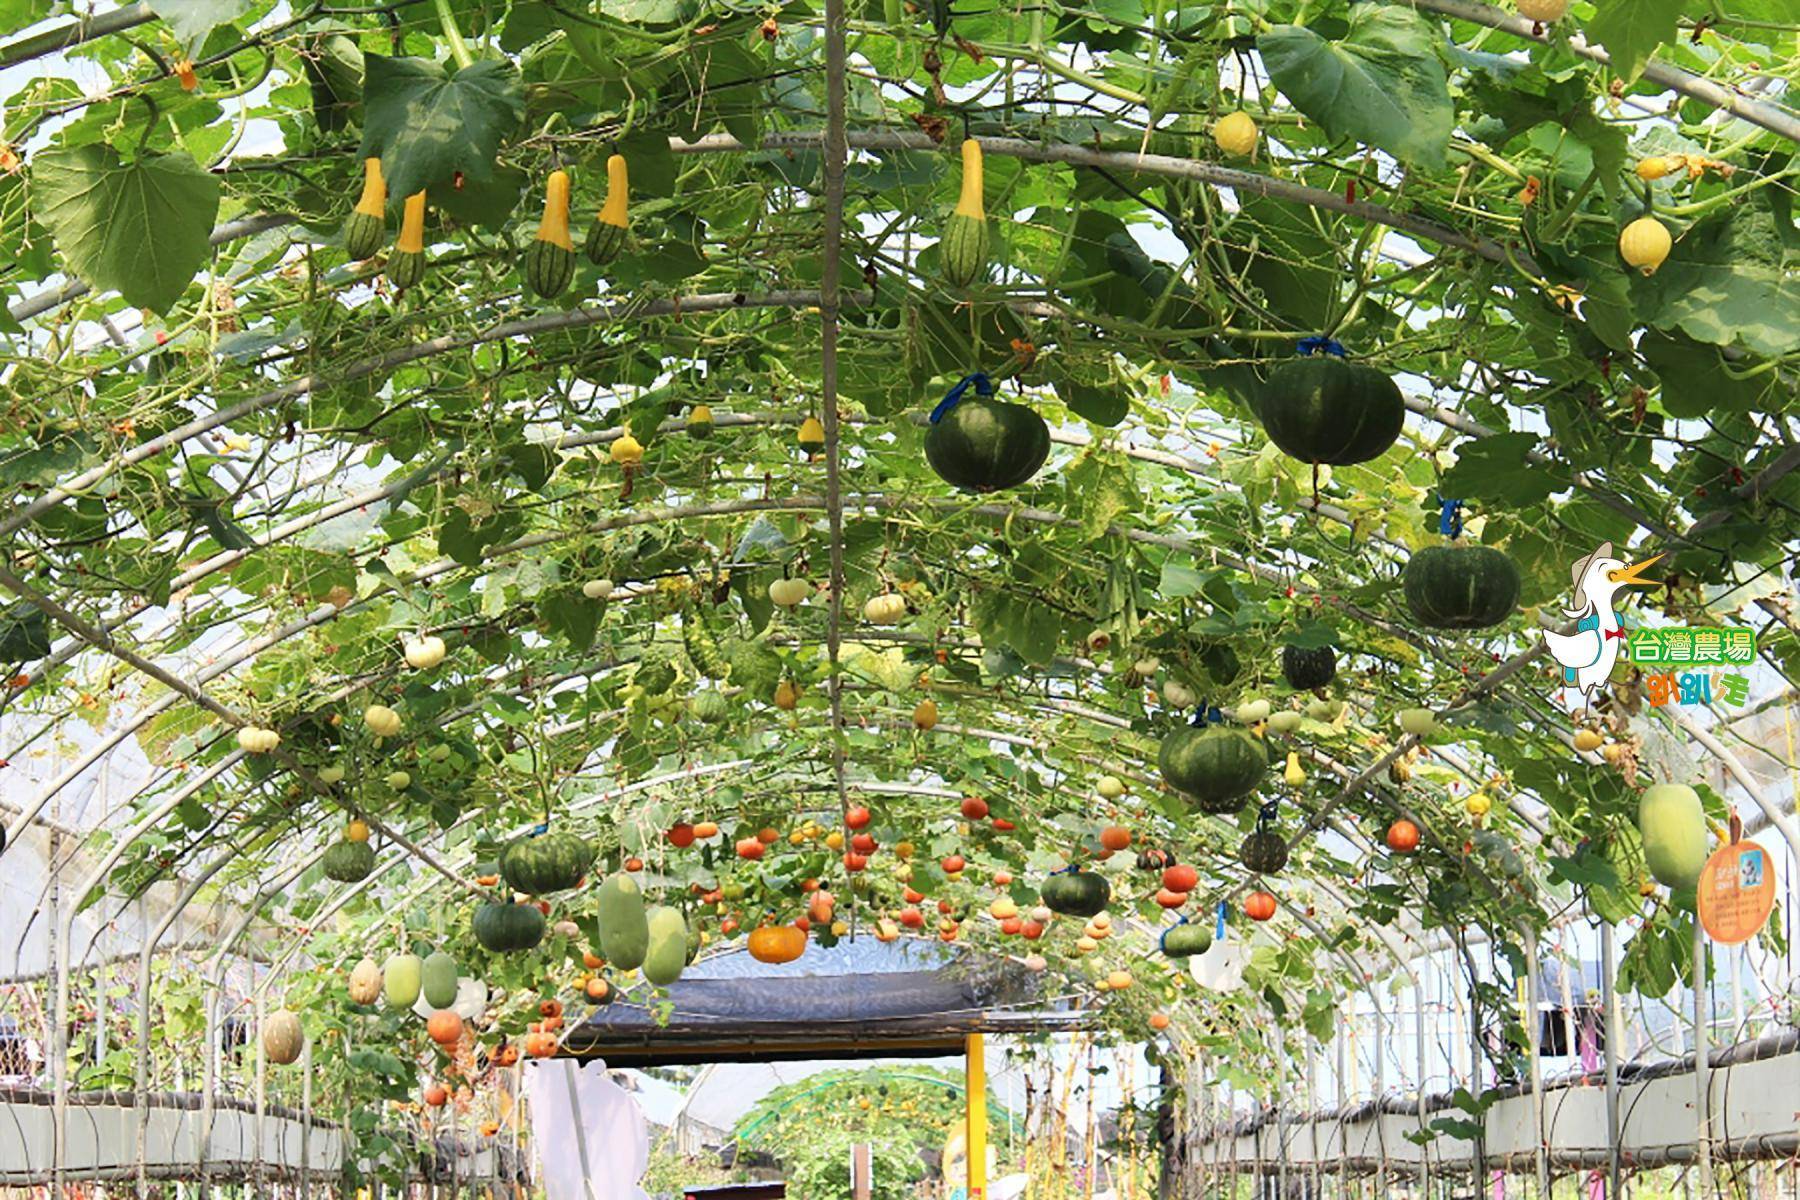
1729	280
1631	30
1383	84
428	124
140	228
192	20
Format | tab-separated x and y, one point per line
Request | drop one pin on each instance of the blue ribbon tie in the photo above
983	387
1317	345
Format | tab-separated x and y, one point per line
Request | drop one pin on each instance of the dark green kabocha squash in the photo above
1460	586
508	928
984	445
1308	667
1075	893
1325	410
550	862
1182	941
1264	852
1215	765
348	862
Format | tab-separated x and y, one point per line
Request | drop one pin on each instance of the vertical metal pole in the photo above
1702	1068
1609	1036
1419	1090
306	1095
262	1092
1535	1063
975	1113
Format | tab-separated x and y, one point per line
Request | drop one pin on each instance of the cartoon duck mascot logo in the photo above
1587	655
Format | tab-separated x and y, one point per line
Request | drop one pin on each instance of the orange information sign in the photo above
1736	892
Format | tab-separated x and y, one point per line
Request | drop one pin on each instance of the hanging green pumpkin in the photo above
984	445
1216	766
1075	893
1308	667
1325	410
1460	586
508	928
1264	852
348	862
550	862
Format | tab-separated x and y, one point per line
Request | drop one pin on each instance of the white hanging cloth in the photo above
589	1133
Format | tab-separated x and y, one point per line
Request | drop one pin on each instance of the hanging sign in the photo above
1736	890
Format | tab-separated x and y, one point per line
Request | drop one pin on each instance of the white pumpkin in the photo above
885	609
254	739
597	589
789	592
1418	721
424	653
382	720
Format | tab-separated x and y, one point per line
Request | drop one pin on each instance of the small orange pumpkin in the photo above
435	1095
1403	836
1115	837
445	1026
1259	906
777	943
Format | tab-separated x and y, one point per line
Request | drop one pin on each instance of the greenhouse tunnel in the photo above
999	600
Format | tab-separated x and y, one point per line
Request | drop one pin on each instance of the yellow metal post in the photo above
975	1117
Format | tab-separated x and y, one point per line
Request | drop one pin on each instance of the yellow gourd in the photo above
965	242
367	223
1293	774
407	264
607	237
550	260
812	435
1644	244
1235	133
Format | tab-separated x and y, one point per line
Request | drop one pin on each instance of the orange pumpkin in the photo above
1169	899
1403	836
445	1026
596	987
974	808
768	835
1259	906
777	943
854	862
912	918
706	829
953	864
750	848
506	1055
1115	837
821	907
435	1095
540	1045
857	817
550	1008
1180	878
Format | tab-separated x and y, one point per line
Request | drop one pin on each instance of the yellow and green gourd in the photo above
406	265
550	260
965	243
366	227
607	237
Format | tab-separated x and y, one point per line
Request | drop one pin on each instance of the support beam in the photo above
1685	83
